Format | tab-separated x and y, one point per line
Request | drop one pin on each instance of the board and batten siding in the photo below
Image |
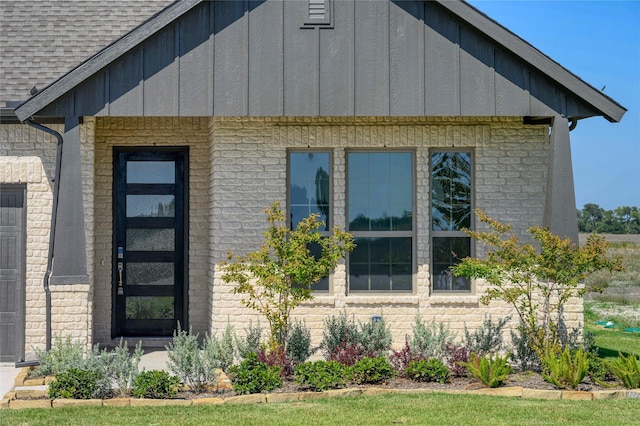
263	58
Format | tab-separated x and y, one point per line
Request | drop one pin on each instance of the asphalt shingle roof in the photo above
42	40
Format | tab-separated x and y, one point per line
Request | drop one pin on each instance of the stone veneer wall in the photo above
249	171
28	156
238	168
122	132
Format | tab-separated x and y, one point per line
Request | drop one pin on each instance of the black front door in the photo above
150	245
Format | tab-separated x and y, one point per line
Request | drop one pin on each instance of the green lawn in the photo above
424	409
610	341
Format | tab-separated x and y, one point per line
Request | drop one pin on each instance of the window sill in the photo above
454	299
383	299
323	300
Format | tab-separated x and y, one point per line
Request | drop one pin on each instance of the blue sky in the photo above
599	41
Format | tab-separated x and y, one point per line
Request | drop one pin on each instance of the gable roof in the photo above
230	65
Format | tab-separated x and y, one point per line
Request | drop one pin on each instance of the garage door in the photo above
12	272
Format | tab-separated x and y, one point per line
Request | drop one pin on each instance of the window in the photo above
451	210
380	210
310	192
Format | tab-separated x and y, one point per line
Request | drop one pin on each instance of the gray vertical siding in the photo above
258	58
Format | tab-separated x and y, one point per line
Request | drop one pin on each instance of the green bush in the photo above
375	338
218	353
193	367
63	355
566	369
121	366
251	342
299	343
522	353
627	369
340	339
372	370
491	371
488	337
321	375
599	371
431	370
430	340
157	384
253	376
74	383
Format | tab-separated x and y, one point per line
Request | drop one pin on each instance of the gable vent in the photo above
317	10
319	13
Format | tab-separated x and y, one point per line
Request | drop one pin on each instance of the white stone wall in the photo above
248	173
28	156
237	169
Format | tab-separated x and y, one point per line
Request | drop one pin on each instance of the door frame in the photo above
21	296
182	311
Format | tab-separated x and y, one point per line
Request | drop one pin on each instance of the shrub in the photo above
251	342
122	367
299	343
185	361
193	367
455	355
599	371
488	337
431	370
253	376
321	375
340	339
157	384
63	355
74	383
565	369
522	352
430	340
372	370
218	352
400	359
490	371
627	369
276	357
374	338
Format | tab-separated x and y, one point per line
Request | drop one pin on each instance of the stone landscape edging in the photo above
11	399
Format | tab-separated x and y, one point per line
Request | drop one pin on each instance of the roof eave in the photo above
610	109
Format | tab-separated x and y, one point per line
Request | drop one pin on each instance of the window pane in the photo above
151	205
151	172
149	308
446	253
451	190
381	264
150	273
309	186
150	239
380	191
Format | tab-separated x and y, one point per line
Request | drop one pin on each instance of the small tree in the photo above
278	277
536	282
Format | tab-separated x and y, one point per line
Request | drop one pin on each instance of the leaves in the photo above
278	277
537	280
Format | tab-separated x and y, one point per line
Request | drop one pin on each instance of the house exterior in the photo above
128	178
